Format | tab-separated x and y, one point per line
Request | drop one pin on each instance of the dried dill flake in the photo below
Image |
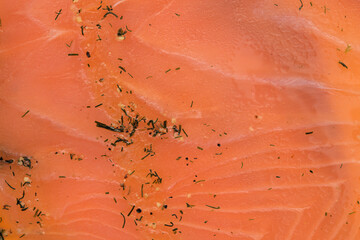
343	64
25	161
58	14
121	34
6	161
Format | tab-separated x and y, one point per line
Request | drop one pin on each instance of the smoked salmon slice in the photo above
179	119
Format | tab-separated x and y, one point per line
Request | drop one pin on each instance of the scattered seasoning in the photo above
307	133
121	33
73	54
151	174
124	219
200	148
177	14
123	140
62	176
341	165
109	11
102	125
25	161
7	161
122	68
145	156
199	181
25	113
326	214
127	29
352	213
119	87
251	219
21	204
115	200
213	207
192	102
22	235
69	45
167	70
343	64
37	212
132	209
311	171
82	30
99	38
9	185
88	54
6	207
189	205
142	190
98	105
242	164
301	6
138	210
58	14
277	176
169	225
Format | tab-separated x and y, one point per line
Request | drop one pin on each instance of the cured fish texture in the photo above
179	119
